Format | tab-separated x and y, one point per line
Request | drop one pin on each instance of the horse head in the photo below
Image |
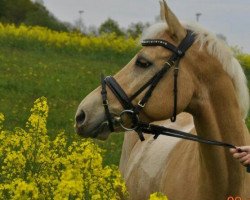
197	69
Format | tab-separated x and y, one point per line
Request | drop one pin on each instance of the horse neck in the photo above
218	117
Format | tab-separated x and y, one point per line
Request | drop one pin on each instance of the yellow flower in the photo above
1	120
33	166
23	190
71	185
157	196
1	117
63	40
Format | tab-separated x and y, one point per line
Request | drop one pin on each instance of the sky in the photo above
228	17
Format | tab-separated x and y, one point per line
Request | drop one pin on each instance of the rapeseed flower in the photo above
34	166
157	196
62	40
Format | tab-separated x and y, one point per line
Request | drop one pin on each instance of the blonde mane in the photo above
219	49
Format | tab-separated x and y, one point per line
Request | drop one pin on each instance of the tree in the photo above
29	13
222	37
135	29
39	2
40	16
80	26
110	26
92	30
2	8
15	11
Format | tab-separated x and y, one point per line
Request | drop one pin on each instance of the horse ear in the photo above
177	31
162	10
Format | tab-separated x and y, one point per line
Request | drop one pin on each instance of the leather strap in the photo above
157	130
106	105
118	92
178	53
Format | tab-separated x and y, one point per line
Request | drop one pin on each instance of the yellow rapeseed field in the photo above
33	166
68	39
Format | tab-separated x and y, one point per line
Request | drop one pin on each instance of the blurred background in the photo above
228	18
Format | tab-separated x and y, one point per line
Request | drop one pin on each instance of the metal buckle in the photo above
169	64
134	120
105	102
141	105
176	70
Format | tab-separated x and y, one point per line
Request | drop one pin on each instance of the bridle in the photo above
126	102
132	111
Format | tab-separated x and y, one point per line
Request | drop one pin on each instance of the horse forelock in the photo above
220	50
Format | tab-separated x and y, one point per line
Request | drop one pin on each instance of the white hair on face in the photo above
219	49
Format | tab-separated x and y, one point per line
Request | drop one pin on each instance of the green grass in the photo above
64	79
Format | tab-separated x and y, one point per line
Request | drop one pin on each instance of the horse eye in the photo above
142	63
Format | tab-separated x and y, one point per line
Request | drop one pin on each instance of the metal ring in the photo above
134	119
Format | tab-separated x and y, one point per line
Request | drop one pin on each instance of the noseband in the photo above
131	111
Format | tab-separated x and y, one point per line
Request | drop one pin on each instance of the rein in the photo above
131	111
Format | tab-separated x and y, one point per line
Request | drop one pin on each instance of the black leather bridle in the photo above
132	111
126	102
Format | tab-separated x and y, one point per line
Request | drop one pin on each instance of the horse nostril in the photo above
80	118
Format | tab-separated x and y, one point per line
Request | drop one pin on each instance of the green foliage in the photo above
15	11
135	29
110	26
244	60
41	17
27	12
2	8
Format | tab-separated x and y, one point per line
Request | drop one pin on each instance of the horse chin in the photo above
100	131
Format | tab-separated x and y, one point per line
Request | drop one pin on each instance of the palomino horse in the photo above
211	88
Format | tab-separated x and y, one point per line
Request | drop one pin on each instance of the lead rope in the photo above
157	130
